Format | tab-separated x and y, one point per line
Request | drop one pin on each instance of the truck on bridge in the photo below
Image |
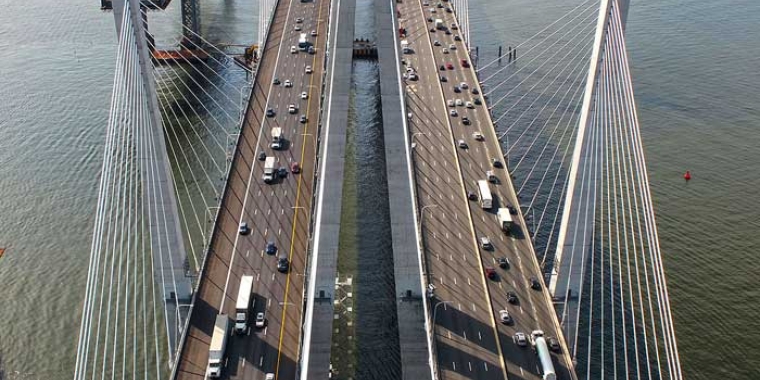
243	305
217	346
542	350
268	170
505	219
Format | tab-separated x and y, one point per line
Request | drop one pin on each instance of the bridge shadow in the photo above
454	359
454	320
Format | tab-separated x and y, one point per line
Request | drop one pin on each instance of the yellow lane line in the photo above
298	196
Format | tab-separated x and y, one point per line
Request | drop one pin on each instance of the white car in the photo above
504	317
297	28
445	51
459	102
288	83
313	33
261	320
464	85
477	136
308	69
469	105
450	103
453	113
520	339
452	47
269	376
299	20
292	108
293	50
304	95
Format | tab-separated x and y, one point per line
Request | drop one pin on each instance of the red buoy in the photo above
687	175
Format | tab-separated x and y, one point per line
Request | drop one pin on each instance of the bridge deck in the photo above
280	212
469	341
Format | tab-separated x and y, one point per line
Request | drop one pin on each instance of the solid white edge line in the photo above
431	359
317	227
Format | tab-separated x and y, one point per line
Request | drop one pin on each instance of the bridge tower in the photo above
575	233
192	24
165	229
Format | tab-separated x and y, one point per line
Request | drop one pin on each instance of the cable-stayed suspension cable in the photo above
496	60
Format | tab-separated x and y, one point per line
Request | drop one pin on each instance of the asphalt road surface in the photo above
279	212
466	304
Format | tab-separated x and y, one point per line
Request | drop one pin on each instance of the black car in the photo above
429	19
262	156
475	91
512	209
496	163
448	32
443	79
534	283
511	297
276	81
432	30
270	112
554	344
244	229
465	120
271	248
283	264
282	172
442	68
457	38
477	100
472	196
503	263
457	90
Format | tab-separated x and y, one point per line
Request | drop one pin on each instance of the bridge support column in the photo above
192	24
167	241
574	242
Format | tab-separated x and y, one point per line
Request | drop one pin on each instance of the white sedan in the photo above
304	95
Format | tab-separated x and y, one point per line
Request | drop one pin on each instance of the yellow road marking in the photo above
298	196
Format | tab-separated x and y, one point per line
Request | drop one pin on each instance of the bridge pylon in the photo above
166	238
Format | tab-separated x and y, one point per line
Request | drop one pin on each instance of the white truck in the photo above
217	346
276	138
405	47
542	350
486	199
505	219
268	170
439	24
243	306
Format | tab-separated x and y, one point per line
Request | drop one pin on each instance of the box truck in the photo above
505	219
269	170
217	346
243	306
276	138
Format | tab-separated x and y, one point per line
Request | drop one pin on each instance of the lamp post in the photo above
432	334
415	134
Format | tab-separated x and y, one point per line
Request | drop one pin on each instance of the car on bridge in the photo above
485	243
304	95
490	273
520	339
443	78
313	33
453	113
270	112
457	38
462	144
477	136
511	297
271	248
436	42
244	229
288	83
295	168
503	262
261	320
303	119
464	63
465	120
505	318
449	66
534	283
308	70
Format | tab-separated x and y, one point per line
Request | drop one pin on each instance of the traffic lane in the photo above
195	354
479	275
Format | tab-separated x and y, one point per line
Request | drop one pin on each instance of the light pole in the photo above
432	335
415	134
422	214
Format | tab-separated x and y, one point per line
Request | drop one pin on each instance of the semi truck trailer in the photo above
544	356
243	306
217	347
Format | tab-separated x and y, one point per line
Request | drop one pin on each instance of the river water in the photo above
694	64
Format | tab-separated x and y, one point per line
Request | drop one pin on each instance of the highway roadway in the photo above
466	303
278	212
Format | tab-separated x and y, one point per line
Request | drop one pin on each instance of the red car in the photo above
295	168
449	66
490	273
465	63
